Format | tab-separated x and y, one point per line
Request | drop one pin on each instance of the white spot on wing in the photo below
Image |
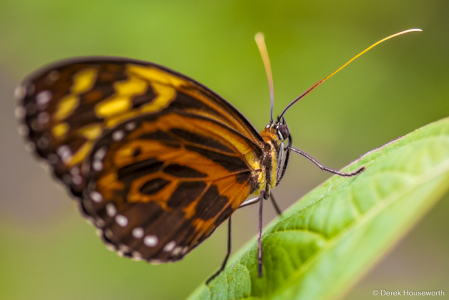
19	112
100	223
77	180
138	232
64	152
23	130
130	126
121	220
108	233
156	261
75	171
96	196
150	240
43	98
19	92
136	255
177	251
118	135
123	248
99	155
97	165
43	117
170	246
111	210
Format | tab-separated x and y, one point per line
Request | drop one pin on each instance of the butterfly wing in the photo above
158	160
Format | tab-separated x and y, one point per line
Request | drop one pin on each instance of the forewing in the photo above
67	107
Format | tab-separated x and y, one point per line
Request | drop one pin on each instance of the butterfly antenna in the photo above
339	69
260	40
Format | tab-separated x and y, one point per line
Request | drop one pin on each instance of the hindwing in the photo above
171	179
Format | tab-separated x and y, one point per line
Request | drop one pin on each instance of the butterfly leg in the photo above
259	235
249	202
276	206
228	252
256	200
323	167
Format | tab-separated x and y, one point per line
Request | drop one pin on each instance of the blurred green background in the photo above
47	251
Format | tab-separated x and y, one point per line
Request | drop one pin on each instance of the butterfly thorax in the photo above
271	158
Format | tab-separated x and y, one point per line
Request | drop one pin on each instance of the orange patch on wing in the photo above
223	179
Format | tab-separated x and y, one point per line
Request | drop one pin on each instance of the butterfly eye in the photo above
283	131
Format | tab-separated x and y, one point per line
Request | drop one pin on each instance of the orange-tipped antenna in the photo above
332	74
266	62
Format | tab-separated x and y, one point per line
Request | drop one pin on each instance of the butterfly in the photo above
156	160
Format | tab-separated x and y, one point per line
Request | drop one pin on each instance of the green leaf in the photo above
328	240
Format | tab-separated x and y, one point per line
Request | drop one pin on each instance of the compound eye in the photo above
284	131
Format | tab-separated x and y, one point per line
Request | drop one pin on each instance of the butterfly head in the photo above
280	128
